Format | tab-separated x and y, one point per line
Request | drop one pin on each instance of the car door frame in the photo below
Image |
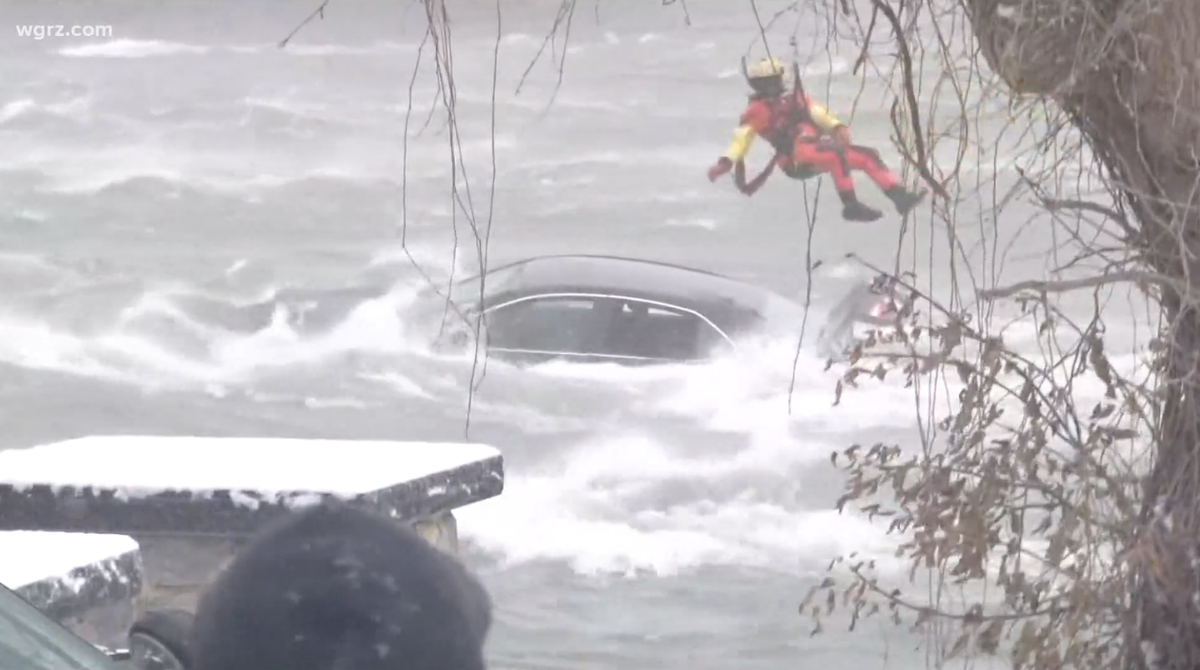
58	637
679	309
533	355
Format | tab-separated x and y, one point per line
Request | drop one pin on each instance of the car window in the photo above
31	641
646	330
550	324
466	291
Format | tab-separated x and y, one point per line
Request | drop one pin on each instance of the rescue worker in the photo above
808	141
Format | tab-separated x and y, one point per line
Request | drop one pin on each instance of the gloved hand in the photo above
842	135
722	166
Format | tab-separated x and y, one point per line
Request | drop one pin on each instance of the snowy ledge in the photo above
230	487
88	582
149	520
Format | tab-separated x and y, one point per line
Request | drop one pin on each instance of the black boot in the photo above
854	210
904	199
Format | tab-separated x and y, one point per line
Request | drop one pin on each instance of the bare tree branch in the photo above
1063	286
318	13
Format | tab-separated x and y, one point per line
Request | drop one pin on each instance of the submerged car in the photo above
588	308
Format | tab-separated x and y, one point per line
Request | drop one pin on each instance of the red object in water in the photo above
883	308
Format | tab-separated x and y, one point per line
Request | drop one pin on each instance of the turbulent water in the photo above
156	181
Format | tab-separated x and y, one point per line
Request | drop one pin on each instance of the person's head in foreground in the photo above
335	588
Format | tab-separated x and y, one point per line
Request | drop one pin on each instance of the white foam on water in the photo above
597	507
381	47
513	39
400	383
831	67
16	108
28	261
104	168
612	503
130	48
579	512
758	388
695	222
373	326
31	216
123	352
27	557
32	344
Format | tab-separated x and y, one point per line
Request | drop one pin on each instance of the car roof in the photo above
626	276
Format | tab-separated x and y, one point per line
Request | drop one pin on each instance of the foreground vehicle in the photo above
29	640
629	311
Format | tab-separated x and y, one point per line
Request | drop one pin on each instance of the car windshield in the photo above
29	640
465	292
